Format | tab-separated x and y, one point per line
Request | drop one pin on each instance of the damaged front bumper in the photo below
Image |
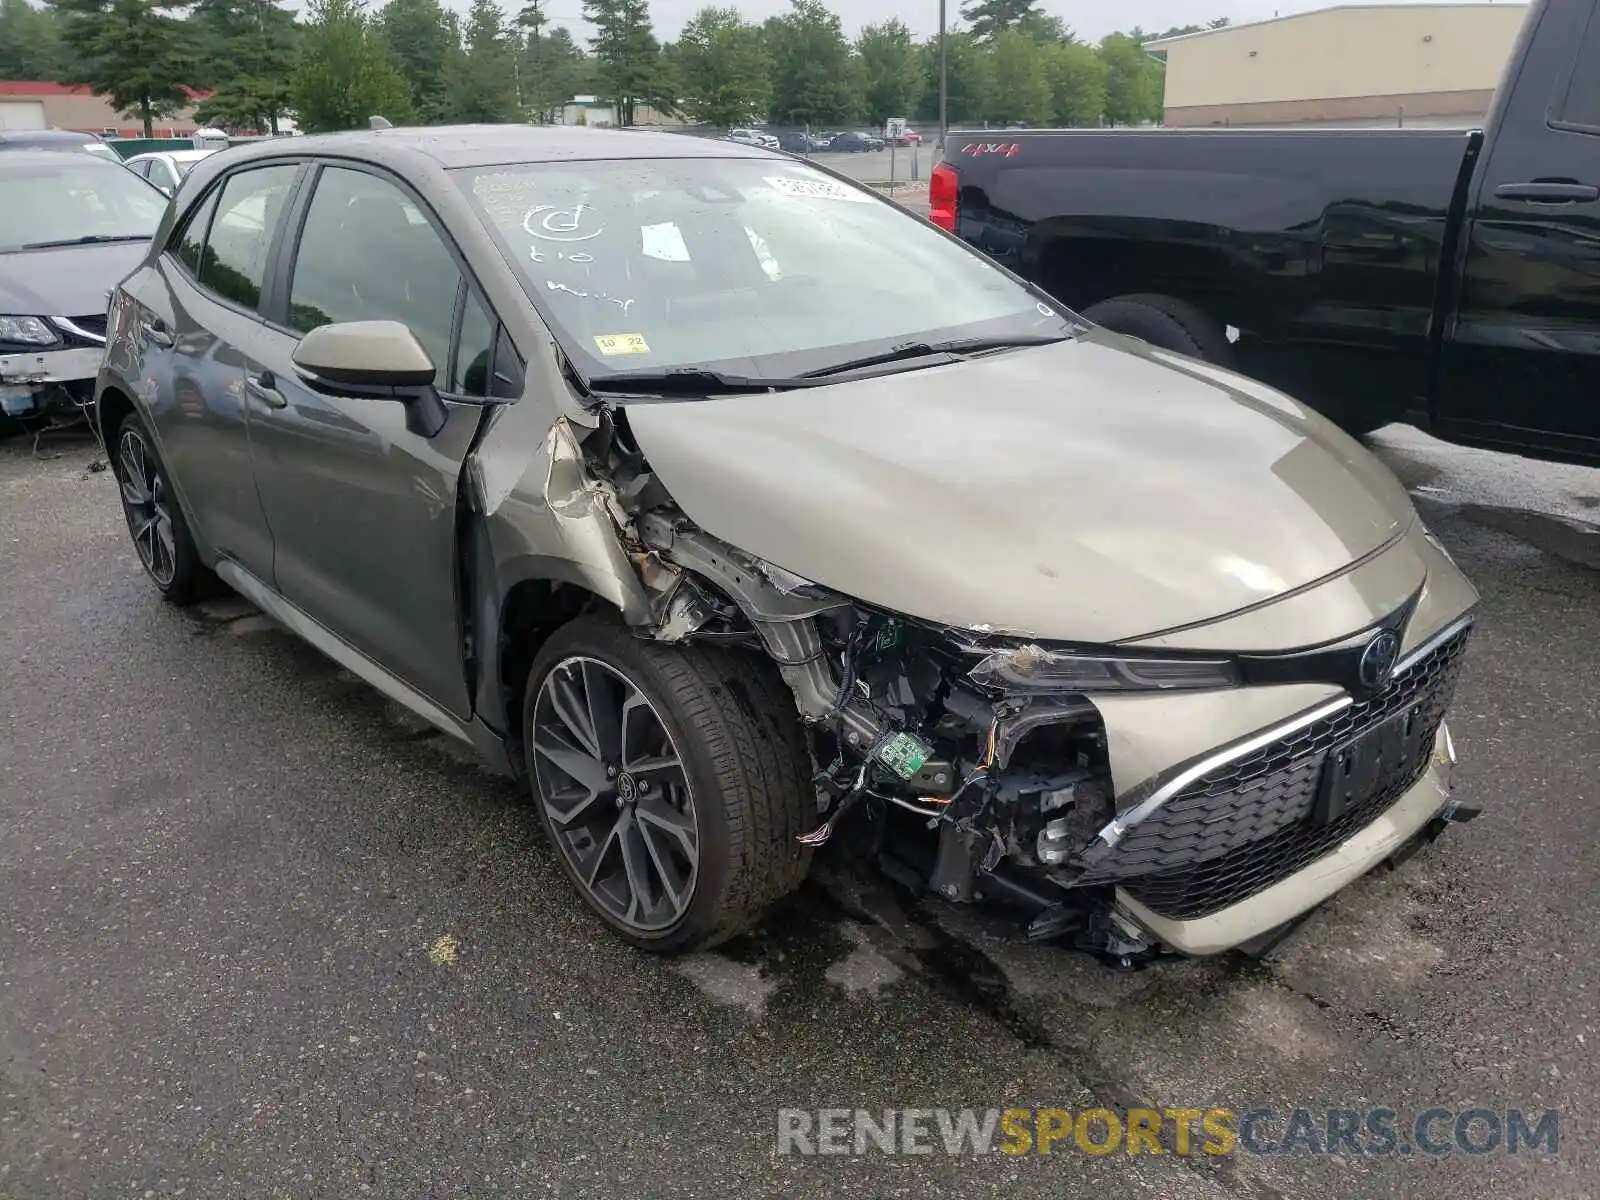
1422	809
48	383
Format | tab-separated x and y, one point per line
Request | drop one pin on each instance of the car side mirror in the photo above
373	360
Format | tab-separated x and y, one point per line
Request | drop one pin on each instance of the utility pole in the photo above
943	81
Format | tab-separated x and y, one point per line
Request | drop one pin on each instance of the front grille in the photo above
1244	826
94	325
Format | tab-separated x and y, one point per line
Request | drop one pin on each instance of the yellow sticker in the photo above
622	343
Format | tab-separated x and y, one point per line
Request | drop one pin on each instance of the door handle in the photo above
264	387
1548	191
155	332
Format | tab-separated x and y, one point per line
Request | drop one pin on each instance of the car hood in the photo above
65	281
1092	490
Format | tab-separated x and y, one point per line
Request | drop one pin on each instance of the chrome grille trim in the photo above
1116	829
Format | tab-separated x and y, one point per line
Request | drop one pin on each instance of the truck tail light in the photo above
944	186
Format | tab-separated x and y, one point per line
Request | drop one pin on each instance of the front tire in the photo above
155	519
671	780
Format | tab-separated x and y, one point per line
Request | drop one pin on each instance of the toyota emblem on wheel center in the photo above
1377	660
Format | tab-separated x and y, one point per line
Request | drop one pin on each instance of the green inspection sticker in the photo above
904	755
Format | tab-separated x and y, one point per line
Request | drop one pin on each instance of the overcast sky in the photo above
1090	19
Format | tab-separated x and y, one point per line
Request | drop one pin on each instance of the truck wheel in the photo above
1167	322
672	781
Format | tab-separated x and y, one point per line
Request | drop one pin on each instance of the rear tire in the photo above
155	518
1167	322
675	816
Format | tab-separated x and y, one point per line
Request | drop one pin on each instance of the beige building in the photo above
1383	64
41	105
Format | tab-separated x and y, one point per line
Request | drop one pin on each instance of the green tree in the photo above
816	80
30	42
480	78
346	73
989	17
721	68
1021	62
554	70
970	79
421	38
135	53
1045	27
1133	82
626	52
537	65
892	65
248	50
1077	84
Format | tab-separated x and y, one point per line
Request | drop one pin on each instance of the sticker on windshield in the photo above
621	343
815	189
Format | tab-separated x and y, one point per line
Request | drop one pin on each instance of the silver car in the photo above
733	506
167	168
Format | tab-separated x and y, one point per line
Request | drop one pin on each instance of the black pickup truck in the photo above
1448	278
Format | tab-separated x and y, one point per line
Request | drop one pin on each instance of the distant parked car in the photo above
909	138
57	139
800	143
854	143
166	168
753	137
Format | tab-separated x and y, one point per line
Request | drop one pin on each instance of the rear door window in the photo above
234	265
191	242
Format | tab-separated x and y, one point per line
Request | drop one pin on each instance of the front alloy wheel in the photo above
147	506
616	794
672	780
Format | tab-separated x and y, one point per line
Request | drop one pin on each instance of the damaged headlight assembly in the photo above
1030	669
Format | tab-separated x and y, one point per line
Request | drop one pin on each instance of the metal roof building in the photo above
1383	64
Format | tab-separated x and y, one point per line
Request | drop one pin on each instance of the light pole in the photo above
943	83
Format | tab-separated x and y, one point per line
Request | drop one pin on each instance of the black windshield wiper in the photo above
955	347
88	239
691	381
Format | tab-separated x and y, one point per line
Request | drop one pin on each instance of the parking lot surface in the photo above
263	935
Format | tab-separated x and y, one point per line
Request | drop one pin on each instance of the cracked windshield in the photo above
762	266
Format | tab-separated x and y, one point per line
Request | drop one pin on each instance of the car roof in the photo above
492	145
13	159
180	155
44	137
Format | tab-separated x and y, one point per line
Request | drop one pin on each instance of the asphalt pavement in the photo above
261	935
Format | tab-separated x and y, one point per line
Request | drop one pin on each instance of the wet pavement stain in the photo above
1576	542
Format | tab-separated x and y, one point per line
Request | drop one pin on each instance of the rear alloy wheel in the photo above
672	780
160	534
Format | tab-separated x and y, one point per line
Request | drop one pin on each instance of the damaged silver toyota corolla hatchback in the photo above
734	506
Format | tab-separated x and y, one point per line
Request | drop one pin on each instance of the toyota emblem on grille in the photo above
1377	660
